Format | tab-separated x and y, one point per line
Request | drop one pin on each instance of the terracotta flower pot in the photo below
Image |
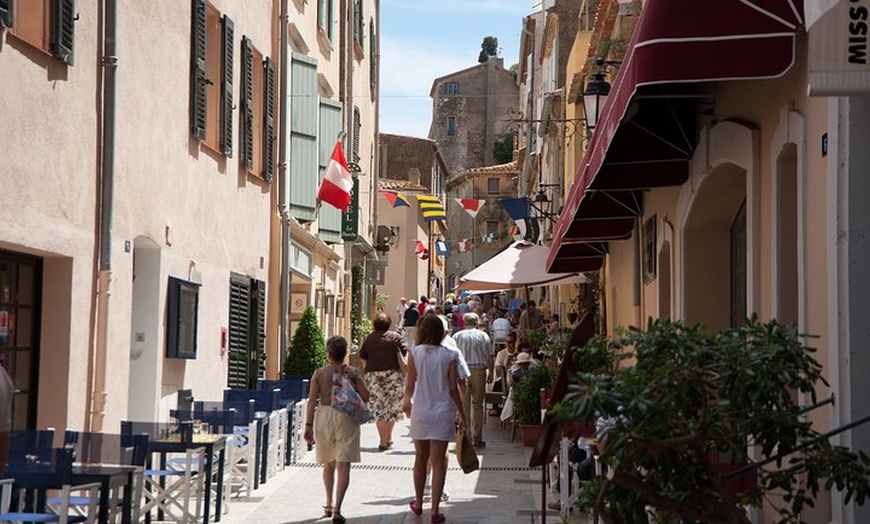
530	433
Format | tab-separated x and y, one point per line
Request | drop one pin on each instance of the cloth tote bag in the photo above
348	401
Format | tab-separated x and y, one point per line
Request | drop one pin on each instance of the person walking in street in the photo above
409	323
381	351
432	383
476	347
400	311
335	433
530	319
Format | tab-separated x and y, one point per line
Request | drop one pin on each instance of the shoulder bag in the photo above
347	400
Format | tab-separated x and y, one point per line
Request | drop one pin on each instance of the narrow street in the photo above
503	490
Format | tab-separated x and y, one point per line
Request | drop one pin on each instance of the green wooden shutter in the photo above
258	330
227	88
247	113
6	12
238	333
357	129
303	137
62	33
268	119
198	78
329	221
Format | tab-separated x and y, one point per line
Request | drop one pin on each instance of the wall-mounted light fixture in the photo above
596	92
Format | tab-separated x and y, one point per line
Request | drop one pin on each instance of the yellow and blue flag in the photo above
431	208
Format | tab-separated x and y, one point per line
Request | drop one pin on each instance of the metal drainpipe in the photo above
283	187
107	183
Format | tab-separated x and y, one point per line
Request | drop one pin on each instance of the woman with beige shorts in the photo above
336	434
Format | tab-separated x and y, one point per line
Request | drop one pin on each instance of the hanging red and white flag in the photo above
471	205
337	184
420	250
462	245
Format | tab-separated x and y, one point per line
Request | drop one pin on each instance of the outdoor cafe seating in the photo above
34	469
118	463
175	489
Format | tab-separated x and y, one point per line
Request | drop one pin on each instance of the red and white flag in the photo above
337	184
471	205
462	244
420	250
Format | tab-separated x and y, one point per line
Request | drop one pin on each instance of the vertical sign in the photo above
350	220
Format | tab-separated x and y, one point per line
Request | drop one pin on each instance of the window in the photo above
451	126
492	228
48	25
246	333
182	312
257	112
358	26
357	129
324	17
492	186
211	82
452	88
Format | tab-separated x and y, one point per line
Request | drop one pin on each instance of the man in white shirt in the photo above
500	328
400	311
476	346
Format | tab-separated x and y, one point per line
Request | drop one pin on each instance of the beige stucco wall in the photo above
737	156
206	218
407	275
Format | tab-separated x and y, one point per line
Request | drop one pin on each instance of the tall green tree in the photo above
689	414
489	48
308	346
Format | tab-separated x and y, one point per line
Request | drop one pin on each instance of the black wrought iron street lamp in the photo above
594	95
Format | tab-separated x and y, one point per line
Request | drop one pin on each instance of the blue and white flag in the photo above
441	248
518	210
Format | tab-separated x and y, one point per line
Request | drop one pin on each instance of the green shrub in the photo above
308	347
527	393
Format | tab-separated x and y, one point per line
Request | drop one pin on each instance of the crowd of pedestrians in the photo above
435	365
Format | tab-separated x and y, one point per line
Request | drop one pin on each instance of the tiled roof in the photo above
400	185
510	167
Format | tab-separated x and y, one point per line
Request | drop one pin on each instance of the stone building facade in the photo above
470	112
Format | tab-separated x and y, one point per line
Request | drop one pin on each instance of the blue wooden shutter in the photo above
62	32
6	13
198	79
268	119
329	221
246	140
303	137
227	88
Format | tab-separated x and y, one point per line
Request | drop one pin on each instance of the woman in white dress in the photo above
432	383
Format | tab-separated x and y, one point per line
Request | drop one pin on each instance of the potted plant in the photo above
526	396
307	348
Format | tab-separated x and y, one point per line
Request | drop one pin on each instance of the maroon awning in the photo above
647	130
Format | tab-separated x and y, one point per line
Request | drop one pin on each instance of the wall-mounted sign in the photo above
350	220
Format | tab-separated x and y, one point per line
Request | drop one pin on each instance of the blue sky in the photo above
422	40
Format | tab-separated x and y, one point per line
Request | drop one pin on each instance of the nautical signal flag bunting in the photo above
337	184
431	208
395	198
471	205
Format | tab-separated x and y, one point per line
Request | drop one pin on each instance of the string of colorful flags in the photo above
337	184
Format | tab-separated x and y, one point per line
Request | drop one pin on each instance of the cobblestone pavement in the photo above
503	490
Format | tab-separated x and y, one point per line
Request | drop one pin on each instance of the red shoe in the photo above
437	518
417	511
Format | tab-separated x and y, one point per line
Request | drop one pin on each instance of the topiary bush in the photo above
307	348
